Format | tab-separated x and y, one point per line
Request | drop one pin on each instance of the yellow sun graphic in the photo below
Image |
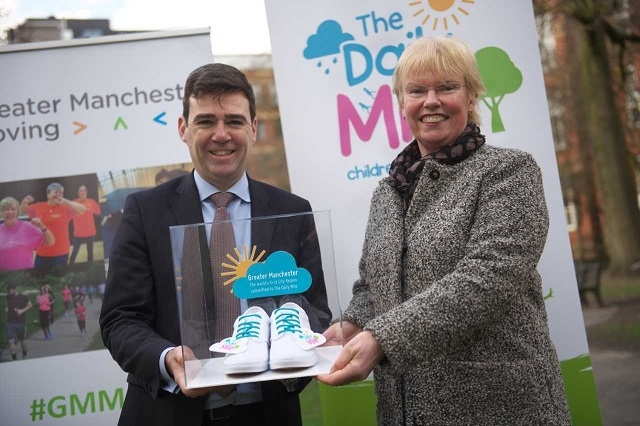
438	11
241	264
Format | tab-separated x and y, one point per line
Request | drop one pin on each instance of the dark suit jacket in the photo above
139	317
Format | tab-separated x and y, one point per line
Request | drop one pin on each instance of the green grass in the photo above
620	288
624	336
353	404
621	331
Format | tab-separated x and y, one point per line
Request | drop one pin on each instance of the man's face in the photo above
220	135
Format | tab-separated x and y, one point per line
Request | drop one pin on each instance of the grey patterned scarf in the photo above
407	167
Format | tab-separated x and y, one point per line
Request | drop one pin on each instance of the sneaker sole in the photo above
246	368
283	364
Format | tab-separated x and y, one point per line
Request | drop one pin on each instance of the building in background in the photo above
51	29
268	161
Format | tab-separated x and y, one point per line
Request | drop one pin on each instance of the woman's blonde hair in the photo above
7	201
445	57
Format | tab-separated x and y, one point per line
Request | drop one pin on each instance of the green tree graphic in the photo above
500	77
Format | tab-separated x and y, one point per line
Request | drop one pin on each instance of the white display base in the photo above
212	372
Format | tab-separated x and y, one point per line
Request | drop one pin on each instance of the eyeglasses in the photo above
442	90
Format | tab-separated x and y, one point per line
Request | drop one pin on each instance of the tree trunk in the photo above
581	171
612	159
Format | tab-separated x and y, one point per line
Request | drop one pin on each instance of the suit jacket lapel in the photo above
261	230
185	202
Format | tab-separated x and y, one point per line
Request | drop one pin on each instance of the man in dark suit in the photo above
140	319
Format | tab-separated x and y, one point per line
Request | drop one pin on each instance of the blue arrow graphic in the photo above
158	118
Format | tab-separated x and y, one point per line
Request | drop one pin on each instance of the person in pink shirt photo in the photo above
43	302
81	316
19	239
66	299
84	227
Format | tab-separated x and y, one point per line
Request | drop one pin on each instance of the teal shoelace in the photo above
287	320
247	327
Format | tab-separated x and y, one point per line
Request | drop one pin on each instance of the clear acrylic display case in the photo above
276	260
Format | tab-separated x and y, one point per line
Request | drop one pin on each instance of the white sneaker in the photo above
249	352
289	323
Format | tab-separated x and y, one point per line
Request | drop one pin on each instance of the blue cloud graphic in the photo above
276	276
326	41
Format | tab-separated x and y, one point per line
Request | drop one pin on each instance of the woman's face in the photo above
82	193
10	214
436	109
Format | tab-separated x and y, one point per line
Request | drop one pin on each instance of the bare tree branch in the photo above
616	35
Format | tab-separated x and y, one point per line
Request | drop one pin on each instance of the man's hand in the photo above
355	361
174	361
24	203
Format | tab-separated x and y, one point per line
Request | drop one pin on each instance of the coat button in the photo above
434	174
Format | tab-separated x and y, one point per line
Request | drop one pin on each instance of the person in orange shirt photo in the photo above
84	226
55	214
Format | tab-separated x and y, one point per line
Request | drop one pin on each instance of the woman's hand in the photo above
340	333
355	361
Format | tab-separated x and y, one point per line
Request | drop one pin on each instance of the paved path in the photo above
66	335
617	376
616	371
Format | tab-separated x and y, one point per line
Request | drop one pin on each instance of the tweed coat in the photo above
451	292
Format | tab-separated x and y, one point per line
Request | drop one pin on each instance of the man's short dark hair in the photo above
218	80
11	286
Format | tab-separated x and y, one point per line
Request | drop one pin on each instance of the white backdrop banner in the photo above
333	62
74	110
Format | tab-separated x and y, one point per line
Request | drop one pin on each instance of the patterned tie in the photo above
227	306
223	242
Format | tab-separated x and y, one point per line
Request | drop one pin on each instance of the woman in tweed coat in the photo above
448	311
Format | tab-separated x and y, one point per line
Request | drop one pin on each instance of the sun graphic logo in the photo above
440	12
277	275
241	264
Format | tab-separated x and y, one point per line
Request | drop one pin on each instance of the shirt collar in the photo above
240	188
